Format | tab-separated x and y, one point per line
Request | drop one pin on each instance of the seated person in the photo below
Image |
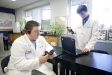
28	52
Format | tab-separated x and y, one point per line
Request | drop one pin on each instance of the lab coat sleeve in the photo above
19	59
47	45
94	36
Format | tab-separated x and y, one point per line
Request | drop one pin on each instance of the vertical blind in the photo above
37	15
78	2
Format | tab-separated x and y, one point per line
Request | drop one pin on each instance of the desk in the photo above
91	64
58	51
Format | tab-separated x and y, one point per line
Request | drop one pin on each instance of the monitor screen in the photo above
45	25
68	44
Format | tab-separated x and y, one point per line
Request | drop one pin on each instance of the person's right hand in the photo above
43	58
69	28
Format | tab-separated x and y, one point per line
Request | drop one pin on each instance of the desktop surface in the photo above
92	62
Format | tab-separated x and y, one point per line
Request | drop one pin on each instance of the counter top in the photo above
18	33
48	35
40	34
105	41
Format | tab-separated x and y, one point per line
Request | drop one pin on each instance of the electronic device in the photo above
68	45
71	31
50	52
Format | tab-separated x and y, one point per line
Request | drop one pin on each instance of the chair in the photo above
99	51
4	63
36	72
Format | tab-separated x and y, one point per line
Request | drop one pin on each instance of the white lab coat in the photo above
87	35
24	58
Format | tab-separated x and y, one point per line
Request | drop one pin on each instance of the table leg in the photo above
78	73
62	69
67	72
7	44
72	72
55	68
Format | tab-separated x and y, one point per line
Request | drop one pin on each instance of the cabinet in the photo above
13	37
50	39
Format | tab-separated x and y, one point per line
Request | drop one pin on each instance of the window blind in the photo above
78	2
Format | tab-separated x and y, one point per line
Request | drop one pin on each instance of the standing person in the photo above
27	52
87	31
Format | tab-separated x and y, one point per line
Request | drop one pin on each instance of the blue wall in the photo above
6	10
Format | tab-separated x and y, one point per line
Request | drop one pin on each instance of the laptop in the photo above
68	45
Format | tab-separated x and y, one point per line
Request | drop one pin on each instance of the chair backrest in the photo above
99	51
36	72
4	63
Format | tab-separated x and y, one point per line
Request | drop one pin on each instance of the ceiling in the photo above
15	4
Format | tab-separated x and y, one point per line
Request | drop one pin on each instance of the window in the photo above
46	13
75	18
38	14
29	15
103	12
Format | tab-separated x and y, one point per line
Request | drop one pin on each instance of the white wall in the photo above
20	11
58	8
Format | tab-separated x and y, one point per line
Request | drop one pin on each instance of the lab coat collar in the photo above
85	19
29	42
88	21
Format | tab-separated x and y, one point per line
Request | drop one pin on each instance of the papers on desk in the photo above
53	43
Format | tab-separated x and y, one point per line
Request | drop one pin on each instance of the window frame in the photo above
34	9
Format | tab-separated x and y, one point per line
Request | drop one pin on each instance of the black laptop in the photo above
68	45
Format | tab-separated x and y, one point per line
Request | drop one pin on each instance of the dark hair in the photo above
81	8
30	24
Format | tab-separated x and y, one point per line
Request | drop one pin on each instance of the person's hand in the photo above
43	58
69	28
85	50
51	56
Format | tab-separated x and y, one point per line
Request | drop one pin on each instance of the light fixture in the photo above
13	0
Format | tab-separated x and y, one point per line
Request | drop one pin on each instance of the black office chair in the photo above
99	51
36	72
4	63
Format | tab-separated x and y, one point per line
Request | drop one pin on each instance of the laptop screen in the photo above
68	45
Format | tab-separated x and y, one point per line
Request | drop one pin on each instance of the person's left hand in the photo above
85	50
51	56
